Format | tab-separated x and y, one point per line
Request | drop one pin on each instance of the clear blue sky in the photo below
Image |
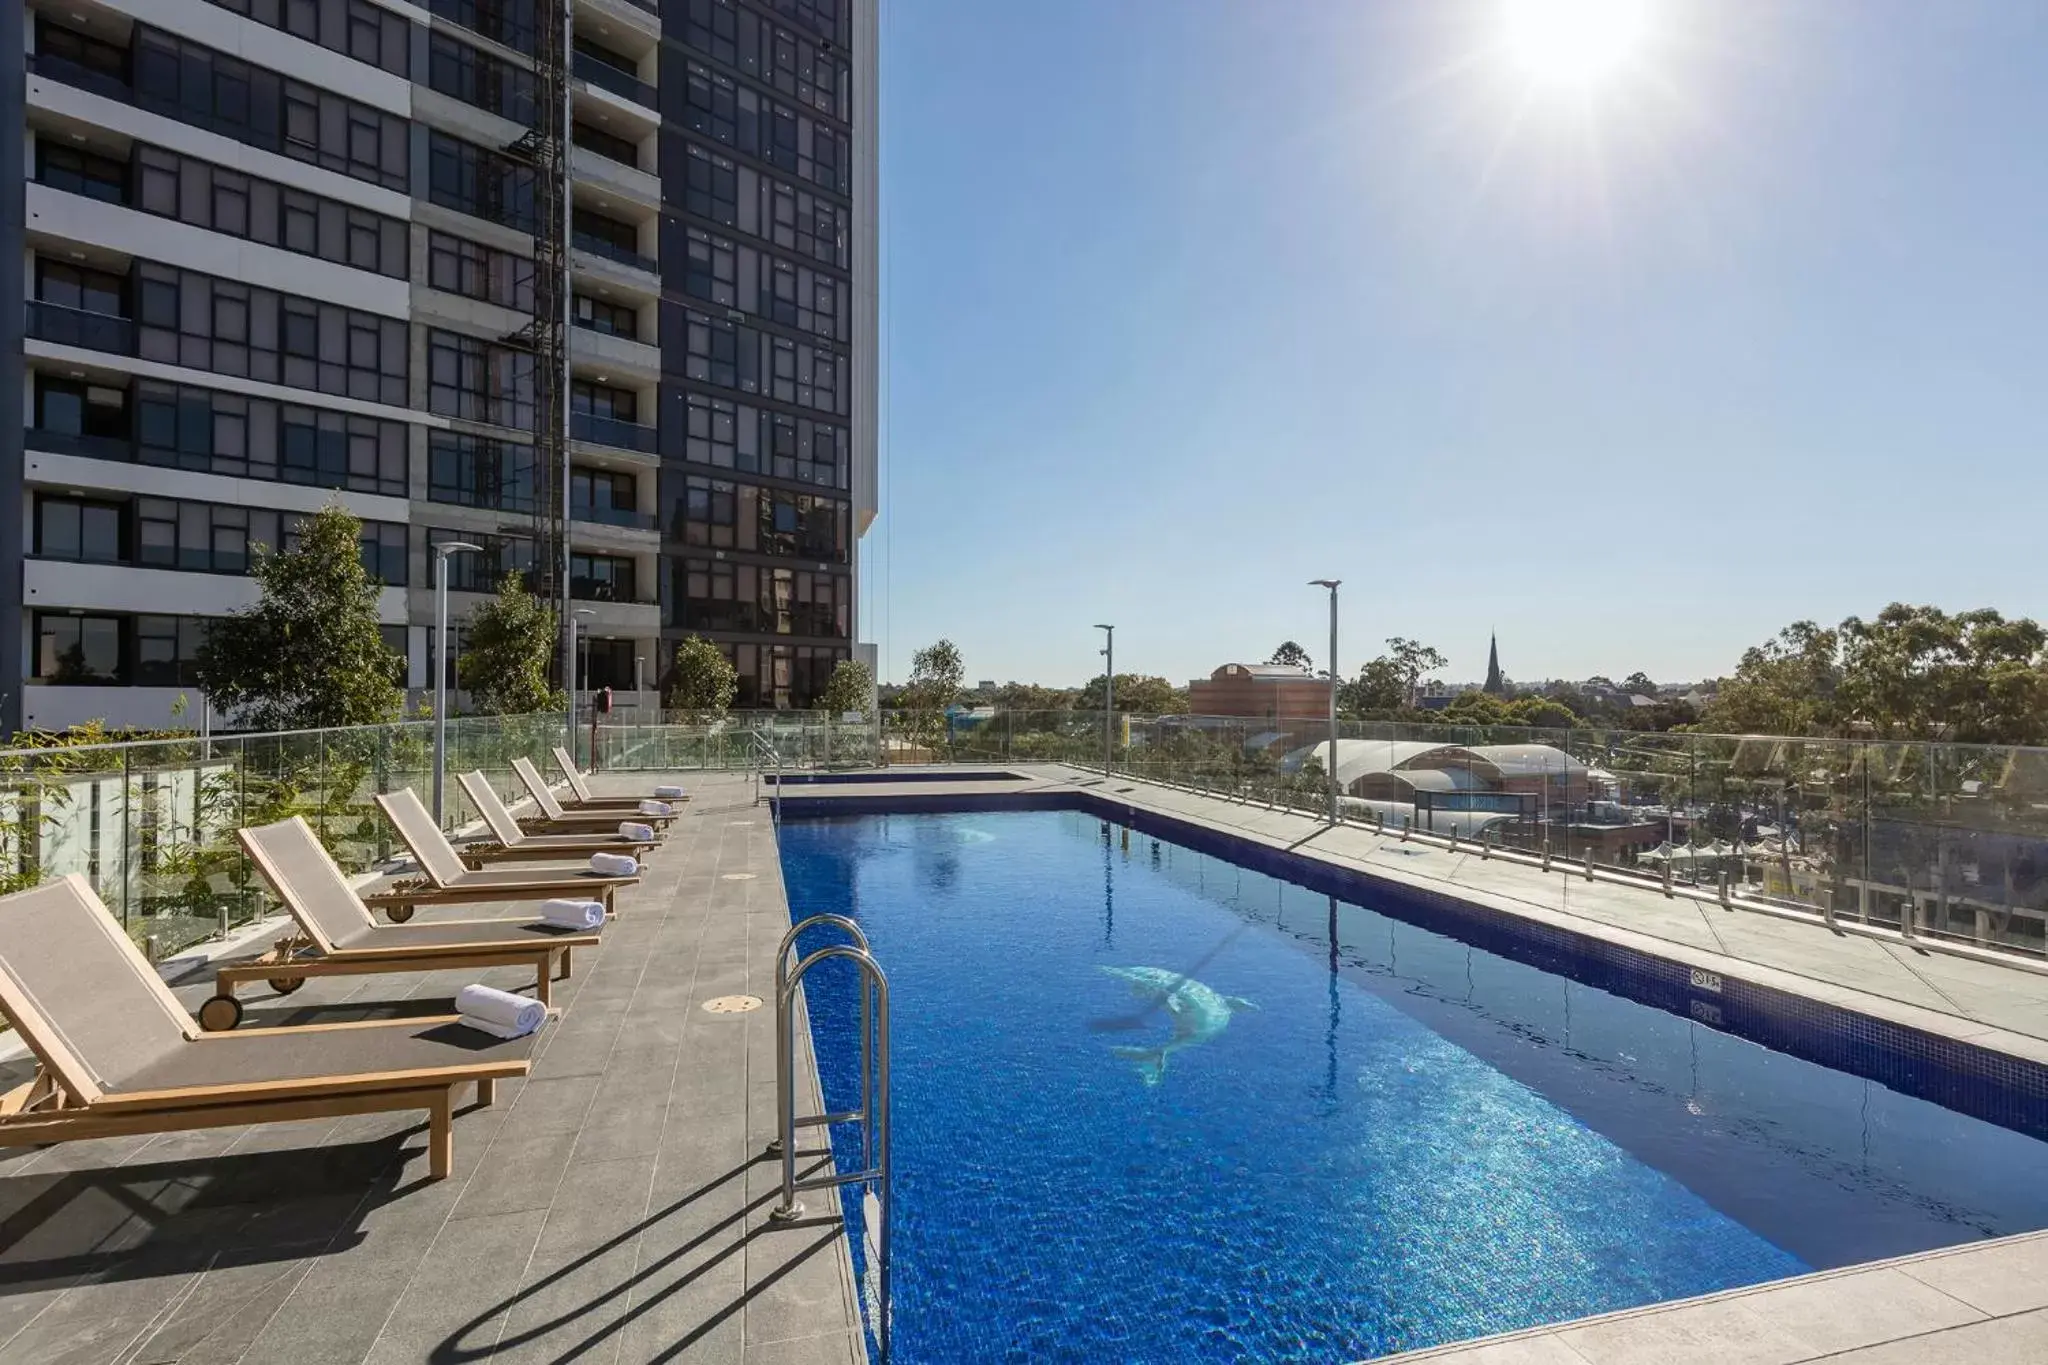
1189	301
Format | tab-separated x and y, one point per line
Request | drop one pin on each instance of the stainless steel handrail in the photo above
783	1094
872	1115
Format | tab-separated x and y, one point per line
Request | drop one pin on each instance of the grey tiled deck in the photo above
609	1208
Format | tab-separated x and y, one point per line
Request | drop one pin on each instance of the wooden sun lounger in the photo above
584	801
445	881
555	819
509	842
338	936
117	1054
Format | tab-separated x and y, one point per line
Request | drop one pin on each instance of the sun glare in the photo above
1574	44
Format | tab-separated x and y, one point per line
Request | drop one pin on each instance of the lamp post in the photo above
1332	584
1108	694
570	668
441	553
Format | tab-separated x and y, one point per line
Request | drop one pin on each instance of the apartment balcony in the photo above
641	18
62	326
618	356
591	429
613	618
55	584
595	258
81	444
602	173
602	75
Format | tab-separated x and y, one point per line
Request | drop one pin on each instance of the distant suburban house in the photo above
1260	691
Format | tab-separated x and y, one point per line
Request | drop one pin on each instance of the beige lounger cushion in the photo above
273	1057
443	865
506	828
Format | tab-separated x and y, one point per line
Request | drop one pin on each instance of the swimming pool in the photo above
1149	1105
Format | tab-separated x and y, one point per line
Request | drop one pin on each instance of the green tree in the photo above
1389	684
935	675
850	688
1291	653
505	664
1541	713
1016	696
701	680
1784	686
1921	673
1476	708
309	653
1380	690
1139	694
1413	660
1639	684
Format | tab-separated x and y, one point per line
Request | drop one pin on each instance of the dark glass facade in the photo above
756	338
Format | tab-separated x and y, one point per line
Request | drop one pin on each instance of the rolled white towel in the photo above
668	793
656	808
638	834
499	1013
573	914
614	865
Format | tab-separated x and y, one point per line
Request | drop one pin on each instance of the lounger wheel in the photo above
220	1014
399	914
285	985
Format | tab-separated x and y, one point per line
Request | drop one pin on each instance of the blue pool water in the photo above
1396	1141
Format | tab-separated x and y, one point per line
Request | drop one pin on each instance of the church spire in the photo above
1495	684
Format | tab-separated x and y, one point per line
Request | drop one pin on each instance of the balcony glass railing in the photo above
83	77
605	76
79	443
603	328
610	431
612	251
612	516
53	322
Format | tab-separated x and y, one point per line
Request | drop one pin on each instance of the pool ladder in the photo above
872	1115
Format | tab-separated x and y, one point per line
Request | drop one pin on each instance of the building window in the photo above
601	400
483	572
220	200
710	187
613	319
600	578
475	471
601	495
77	649
77	529
711	432
479	272
510	22
471	378
206	323
607	145
81	288
78	171
90	56
607	231
167	650
479	182
355	28
711	272
462	72
196	85
72	407
258	438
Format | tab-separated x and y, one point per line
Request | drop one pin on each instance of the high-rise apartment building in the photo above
277	252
